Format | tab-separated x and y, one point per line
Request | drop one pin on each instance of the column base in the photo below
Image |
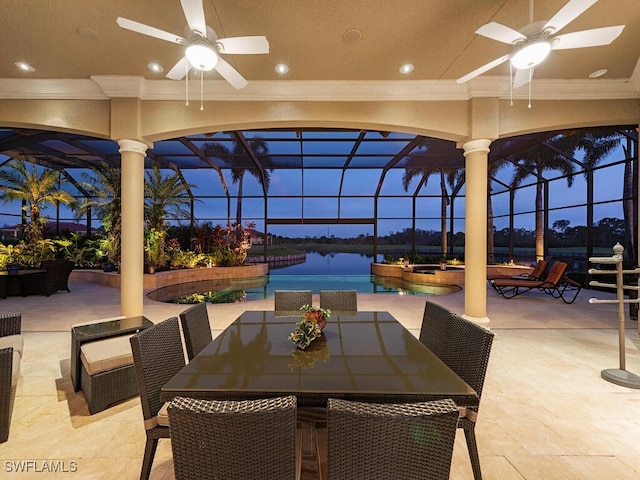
482	321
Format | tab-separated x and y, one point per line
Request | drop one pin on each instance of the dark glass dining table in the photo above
365	356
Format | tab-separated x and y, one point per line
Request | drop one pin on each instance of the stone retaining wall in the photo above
171	277
450	276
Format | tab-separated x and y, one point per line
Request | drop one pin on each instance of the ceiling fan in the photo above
532	43
203	47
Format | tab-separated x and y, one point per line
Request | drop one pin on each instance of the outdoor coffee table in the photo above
368	356
99	330
9	278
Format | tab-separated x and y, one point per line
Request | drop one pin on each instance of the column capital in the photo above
479	145
127	145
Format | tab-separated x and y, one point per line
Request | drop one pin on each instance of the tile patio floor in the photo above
545	413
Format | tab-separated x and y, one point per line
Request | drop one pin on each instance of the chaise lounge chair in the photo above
538	272
556	284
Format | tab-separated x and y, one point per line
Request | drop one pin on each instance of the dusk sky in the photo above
320	187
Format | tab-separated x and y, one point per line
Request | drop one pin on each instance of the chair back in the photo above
556	273
157	356
538	271
384	441
339	300
290	301
252	439
196	329
10	324
462	345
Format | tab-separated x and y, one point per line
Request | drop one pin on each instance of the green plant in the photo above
306	332
11	254
105	248
38	251
179	258
154	246
71	250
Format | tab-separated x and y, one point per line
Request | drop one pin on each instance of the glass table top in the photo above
367	355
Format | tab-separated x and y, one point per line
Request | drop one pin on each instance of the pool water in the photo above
248	289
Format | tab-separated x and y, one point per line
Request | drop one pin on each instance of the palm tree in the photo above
104	187
556	154
238	157
164	196
35	190
454	177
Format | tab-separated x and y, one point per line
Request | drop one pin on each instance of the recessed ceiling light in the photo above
25	67
598	73
353	35
155	67
406	68
281	68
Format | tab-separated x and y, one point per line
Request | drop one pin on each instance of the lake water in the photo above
329	264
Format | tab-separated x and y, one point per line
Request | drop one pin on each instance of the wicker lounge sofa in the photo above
56	276
11	346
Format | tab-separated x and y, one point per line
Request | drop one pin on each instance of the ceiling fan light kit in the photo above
201	56
531	54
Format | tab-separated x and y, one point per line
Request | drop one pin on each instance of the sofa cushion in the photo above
15	341
106	354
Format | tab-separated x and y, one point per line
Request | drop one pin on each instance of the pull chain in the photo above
186	83
201	90
530	78
511	79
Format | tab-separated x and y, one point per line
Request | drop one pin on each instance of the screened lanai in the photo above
347	183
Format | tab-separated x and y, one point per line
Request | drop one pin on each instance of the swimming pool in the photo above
260	288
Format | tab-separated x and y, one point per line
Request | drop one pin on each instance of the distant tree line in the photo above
606	233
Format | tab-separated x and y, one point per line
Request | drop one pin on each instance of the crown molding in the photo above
105	87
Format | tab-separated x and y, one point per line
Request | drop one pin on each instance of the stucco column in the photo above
475	243
132	216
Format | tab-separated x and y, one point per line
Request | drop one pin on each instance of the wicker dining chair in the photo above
157	356
288	302
390	441
241	440
339	300
11	348
465	348
196	329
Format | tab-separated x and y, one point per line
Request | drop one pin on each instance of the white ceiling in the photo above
73	41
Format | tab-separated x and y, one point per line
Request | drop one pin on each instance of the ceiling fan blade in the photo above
522	77
180	69
501	33
151	31
587	38
194	13
230	74
238	45
572	10
482	69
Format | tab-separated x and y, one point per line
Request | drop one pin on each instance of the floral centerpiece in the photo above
316	314
310	325
306	332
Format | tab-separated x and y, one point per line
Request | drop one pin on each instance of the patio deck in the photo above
546	413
